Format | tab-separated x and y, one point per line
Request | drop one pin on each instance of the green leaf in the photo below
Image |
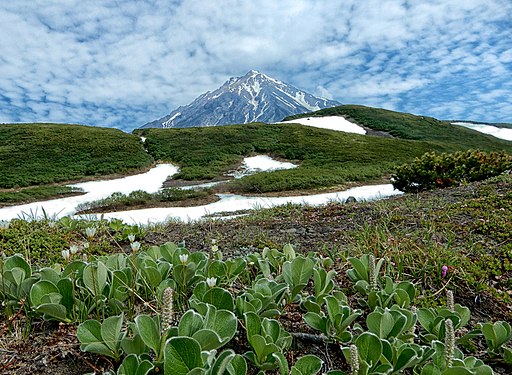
221	363
208	339
40	290
181	355
237	366
65	286
149	332
369	347
16	261
380	323
95	277
361	270
307	365
111	331
53	311
190	323
457	370
89	332
316	321
220	298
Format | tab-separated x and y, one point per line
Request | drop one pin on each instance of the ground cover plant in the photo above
35	154
365	281
442	170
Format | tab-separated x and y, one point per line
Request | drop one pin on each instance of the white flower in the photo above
90	232
183	259
211	281
214	241
135	246
131	237
73	249
215	248
86	245
66	255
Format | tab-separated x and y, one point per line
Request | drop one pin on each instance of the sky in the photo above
127	62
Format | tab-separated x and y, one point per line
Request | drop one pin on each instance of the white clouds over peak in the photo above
127	62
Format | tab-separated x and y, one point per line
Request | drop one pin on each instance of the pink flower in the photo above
444	270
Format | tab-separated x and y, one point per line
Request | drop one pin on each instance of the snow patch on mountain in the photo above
502	133
338	123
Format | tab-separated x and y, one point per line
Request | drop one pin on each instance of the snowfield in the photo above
501	133
232	203
260	163
150	181
338	123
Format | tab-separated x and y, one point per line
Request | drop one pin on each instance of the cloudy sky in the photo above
124	63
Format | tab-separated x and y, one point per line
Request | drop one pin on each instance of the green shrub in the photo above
442	170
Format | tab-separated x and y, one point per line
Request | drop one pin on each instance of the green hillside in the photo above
326	157
33	154
408	126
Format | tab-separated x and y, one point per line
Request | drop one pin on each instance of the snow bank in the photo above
501	133
338	123
231	203
150	181
260	163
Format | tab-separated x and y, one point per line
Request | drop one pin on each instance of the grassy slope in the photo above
327	157
32	154
408	126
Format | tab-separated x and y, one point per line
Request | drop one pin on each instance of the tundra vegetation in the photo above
395	288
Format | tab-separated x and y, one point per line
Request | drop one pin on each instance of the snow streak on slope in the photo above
338	123
502	133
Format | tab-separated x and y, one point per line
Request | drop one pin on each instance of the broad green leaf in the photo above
111	331
208	339
307	365
316	321
190	323
220	298
181	354
237	366
369	347
149	332
40	290
89	332
53	311
16	261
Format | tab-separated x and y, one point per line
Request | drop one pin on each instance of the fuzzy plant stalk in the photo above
167	310
354	360
450	305
372	273
449	342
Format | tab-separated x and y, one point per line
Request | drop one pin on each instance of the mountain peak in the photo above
249	98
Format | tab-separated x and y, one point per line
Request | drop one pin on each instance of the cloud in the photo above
126	63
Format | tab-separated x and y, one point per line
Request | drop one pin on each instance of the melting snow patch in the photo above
501	133
150	181
329	122
260	163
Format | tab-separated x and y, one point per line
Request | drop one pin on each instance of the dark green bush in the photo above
442	170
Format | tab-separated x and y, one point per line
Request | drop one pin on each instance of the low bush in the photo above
442	170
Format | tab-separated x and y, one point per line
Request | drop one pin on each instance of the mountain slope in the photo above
33	154
251	98
326	157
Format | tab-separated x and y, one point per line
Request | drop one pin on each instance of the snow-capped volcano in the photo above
253	97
